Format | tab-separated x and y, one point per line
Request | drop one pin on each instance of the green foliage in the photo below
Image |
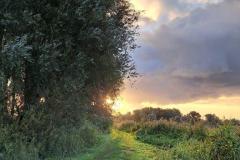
213	120
165	134
188	141
151	114
161	140
14	146
69	142
163	127
124	146
191	150
59	60
128	126
192	117
198	131
225	144
59	143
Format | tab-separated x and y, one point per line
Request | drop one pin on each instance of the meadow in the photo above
202	139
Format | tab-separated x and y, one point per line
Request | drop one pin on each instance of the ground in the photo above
122	146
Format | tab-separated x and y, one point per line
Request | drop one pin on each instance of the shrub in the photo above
129	126
70	141
18	143
198	131
225	144
191	150
165	134
163	141
163	127
14	146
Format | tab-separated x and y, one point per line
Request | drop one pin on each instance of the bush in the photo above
163	127
14	146
72	141
191	150
165	134
225	144
160	140
59	143
198	131
128	126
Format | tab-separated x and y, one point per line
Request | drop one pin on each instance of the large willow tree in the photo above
65	56
59	61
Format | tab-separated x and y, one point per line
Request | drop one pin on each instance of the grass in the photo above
122	146
161	140
153	144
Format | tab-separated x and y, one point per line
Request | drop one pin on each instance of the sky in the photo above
189	57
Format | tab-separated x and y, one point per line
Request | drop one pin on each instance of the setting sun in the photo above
151	9
109	101
118	105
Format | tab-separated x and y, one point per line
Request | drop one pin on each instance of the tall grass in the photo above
60	143
225	143
187	141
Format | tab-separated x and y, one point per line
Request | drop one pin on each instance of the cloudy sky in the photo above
189	57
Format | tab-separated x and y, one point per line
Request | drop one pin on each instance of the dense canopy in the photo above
59	60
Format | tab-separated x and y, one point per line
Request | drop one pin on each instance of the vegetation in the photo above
124	146
59	61
186	137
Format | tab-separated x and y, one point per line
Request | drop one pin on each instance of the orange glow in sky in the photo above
177	30
224	107
151	9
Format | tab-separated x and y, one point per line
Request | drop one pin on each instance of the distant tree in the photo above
192	117
146	114
127	116
178	118
142	114
212	119
169	114
137	115
235	122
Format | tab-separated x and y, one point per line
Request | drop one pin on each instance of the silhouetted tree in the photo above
169	114
235	122
146	114
192	117
212	119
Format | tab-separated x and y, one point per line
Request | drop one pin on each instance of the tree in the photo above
146	114
169	114
71	53
59	60
192	117
212	119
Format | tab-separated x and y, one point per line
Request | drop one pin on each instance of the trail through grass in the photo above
123	146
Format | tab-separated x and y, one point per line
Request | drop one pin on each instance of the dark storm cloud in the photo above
194	57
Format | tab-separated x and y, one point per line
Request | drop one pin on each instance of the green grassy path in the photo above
123	146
